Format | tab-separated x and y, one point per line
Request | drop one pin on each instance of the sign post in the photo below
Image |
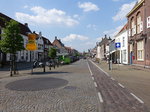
118	45
31	45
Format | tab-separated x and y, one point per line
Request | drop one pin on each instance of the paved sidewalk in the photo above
136	79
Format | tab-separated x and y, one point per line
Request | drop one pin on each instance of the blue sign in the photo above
118	45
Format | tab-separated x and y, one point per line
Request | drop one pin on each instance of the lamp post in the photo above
44	58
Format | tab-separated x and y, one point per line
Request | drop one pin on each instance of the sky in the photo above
78	23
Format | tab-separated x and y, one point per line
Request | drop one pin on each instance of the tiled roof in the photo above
46	41
104	40
125	27
56	41
23	28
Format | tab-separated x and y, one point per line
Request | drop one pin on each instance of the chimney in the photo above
109	38
55	37
26	24
40	34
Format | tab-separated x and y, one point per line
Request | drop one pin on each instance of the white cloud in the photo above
88	6
26	6
116	0
73	37
44	16
124	9
92	26
76	16
90	43
113	32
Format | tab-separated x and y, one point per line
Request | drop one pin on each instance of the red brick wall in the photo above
144	10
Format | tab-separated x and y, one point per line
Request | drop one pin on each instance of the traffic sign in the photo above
118	45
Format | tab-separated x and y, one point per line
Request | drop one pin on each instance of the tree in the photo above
11	42
52	53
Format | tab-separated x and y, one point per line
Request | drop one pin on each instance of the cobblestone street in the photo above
66	89
79	87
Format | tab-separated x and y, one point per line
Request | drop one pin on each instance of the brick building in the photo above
61	50
103	48
139	33
47	45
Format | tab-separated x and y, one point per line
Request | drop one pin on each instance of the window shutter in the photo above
129	32
134	29
141	26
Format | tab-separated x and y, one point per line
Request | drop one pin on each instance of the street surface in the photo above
135	78
79	87
116	97
65	89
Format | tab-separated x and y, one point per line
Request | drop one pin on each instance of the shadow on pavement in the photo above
36	84
46	73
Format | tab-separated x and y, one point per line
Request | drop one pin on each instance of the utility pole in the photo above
109	61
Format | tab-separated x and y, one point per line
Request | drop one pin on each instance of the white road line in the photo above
112	78
121	85
90	69
137	98
100	69
95	84
100	97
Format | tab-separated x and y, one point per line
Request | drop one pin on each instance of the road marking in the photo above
100	69
90	69
121	85
137	98
100	97
112	78
95	84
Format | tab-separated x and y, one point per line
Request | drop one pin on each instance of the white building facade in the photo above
98	52
124	47
122	52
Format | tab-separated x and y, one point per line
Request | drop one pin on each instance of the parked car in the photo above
38	64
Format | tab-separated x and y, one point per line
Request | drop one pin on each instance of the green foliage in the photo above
77	54
11	41
52	53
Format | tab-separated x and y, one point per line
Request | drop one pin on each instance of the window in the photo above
124	55
148	22
132	27
131	47
140	50
123	42
138	23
